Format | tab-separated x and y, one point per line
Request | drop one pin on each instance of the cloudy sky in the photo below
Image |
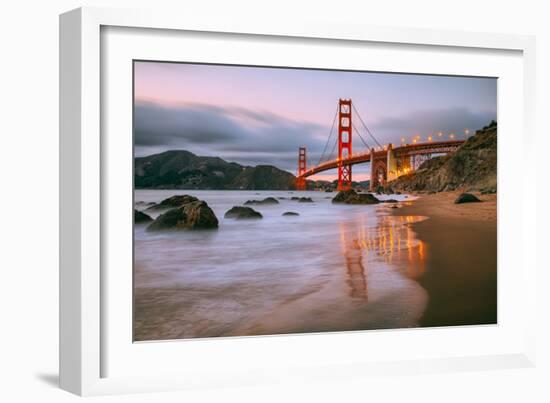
256	115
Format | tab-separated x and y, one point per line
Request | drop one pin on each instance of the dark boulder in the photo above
174	201
141	218
241	213
267	200
193	215
302	199
466	198
352	197
290	213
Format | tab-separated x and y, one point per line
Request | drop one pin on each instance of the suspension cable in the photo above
333	149
361	137
329	136
365	126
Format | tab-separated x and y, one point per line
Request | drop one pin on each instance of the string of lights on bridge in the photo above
437	136
433	137
417	139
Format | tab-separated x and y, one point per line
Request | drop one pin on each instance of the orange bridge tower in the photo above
344	143
302	168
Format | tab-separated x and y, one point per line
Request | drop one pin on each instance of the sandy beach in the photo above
461	258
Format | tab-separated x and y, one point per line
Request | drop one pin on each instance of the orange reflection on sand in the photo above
392	240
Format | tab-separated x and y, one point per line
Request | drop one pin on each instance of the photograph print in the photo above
273	200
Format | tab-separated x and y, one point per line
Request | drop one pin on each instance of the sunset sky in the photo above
256	115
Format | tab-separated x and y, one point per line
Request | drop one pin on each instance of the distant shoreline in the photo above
461	258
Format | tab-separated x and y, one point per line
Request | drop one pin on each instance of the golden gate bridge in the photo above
386	162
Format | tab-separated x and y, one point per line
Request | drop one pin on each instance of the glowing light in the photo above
440	134
452	135
429	138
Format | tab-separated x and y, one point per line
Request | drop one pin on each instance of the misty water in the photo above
332	268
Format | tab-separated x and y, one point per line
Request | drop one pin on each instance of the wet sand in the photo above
461	262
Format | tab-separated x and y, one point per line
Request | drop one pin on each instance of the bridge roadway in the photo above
432	147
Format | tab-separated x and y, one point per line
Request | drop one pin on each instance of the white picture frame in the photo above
85	169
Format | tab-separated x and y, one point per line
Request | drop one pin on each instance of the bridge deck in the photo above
400	151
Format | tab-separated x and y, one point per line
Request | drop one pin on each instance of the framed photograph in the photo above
247	203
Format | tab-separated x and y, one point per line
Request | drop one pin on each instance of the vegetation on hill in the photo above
473	166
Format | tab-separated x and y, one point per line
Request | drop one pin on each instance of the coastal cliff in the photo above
473	167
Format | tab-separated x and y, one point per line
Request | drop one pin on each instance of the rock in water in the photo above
140	217
352	197
193	215
267	200
466	198
241	213
303	199
290	213
174	201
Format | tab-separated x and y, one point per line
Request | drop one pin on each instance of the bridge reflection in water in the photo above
392	243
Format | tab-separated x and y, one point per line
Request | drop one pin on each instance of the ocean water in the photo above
332	268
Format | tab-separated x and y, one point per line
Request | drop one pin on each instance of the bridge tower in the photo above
391	164
344	143
302	168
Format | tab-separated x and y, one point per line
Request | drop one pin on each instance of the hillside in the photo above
179	169
473	166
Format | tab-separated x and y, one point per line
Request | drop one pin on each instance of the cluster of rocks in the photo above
187	212
180	212
352	197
